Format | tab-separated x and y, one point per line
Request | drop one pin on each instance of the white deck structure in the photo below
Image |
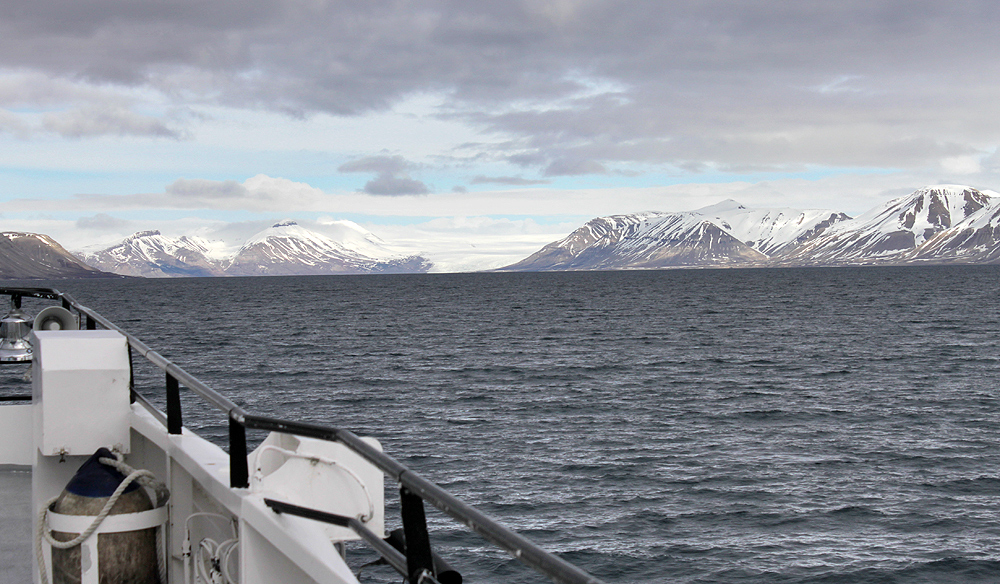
81	403
326	483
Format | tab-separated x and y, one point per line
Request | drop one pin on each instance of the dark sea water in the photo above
688	426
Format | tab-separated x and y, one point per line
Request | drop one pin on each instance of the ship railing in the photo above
418	563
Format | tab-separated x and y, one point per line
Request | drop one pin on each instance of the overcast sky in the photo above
486	126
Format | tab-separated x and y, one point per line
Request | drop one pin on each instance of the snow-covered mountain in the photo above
935	224
726	234
895	230
974	240
285	248
149	254
770	231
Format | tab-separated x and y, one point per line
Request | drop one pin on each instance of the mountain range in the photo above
283	249
936	224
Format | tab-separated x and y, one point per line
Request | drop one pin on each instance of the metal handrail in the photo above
520	547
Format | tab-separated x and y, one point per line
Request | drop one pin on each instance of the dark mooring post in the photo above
174	423
239	472
131	376
418	543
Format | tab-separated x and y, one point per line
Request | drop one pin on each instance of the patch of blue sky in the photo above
45	184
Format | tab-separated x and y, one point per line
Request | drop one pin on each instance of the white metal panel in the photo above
204	462
16	435
80	386
322	475
287	549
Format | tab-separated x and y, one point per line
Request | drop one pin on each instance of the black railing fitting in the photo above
418	542
174	422
239	475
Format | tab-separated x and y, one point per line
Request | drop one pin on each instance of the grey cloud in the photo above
528	159
386	184
100	121
381	164
392	178
991	163
34	89
569	167
198	188
717	82
101	222
10	123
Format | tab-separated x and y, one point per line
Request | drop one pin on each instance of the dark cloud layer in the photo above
578	85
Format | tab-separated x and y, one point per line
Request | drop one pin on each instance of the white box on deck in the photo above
80	388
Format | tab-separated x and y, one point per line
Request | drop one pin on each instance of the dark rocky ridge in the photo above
30	256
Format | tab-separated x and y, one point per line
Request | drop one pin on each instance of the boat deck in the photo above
15	527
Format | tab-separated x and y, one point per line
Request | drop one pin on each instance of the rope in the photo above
144	477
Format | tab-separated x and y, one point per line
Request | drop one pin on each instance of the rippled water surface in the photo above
729	426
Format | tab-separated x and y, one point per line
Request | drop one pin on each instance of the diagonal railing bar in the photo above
393	557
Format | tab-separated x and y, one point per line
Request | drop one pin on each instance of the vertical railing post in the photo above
131	375
91	323
174	422
418	543
239	474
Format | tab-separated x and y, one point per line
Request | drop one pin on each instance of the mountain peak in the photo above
147	233
287	248
946	189
727	205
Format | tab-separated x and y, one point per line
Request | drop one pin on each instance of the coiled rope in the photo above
144	478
